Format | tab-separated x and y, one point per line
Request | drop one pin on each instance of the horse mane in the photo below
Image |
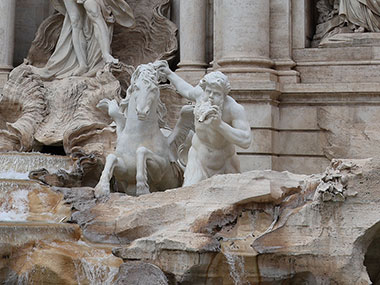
150	75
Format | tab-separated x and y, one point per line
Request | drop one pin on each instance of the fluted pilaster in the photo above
7	30
193	28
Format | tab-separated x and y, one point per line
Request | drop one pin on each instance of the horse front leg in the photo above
103	186
156	166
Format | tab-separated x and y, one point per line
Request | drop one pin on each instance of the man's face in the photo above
215	95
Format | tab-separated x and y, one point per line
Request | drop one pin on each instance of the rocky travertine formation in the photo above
257	227
140	273
65	112
36	245
57	262
260	226
333	186
36	113
20	164
30	201
191	209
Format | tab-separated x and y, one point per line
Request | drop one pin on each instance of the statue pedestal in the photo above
351	40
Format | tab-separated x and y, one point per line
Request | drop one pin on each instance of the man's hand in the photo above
214	119
163	69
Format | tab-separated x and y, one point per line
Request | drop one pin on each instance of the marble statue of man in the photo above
85	39
220	124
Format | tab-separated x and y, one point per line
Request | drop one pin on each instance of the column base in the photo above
252	79
4	74
285	71
288	76
191	75
249	73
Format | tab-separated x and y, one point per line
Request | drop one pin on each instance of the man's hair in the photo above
216	79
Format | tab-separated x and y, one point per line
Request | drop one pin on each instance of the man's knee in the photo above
92	8
77	24
76	20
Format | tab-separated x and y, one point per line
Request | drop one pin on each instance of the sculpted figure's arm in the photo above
184	89
239	132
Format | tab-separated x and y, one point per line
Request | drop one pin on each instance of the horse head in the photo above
144	90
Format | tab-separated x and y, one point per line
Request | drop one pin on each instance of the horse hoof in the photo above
102	190
142	191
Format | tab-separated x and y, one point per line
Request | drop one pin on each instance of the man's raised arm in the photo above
184	89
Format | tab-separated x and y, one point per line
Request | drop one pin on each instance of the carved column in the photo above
242	30
7	30
192	35
281	40
242	36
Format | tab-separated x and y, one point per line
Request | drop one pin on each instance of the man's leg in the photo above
76	19
100	29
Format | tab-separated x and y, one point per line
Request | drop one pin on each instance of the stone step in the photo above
17	233
26	200
17	165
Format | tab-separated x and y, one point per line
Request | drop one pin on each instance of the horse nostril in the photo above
143	113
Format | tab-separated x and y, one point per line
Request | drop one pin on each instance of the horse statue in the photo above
145	158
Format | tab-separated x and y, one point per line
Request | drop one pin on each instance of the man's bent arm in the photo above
238	134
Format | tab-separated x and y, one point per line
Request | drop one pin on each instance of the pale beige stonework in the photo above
202	233
193	34
265	49
245	59
308	107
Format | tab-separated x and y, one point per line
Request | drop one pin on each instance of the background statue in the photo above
145	158
346	16
220	124
37	112
86	35
364	15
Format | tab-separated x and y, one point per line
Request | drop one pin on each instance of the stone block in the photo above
261	142
333	54
339	72
250	162
263	115
298	117
300	143
300	164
